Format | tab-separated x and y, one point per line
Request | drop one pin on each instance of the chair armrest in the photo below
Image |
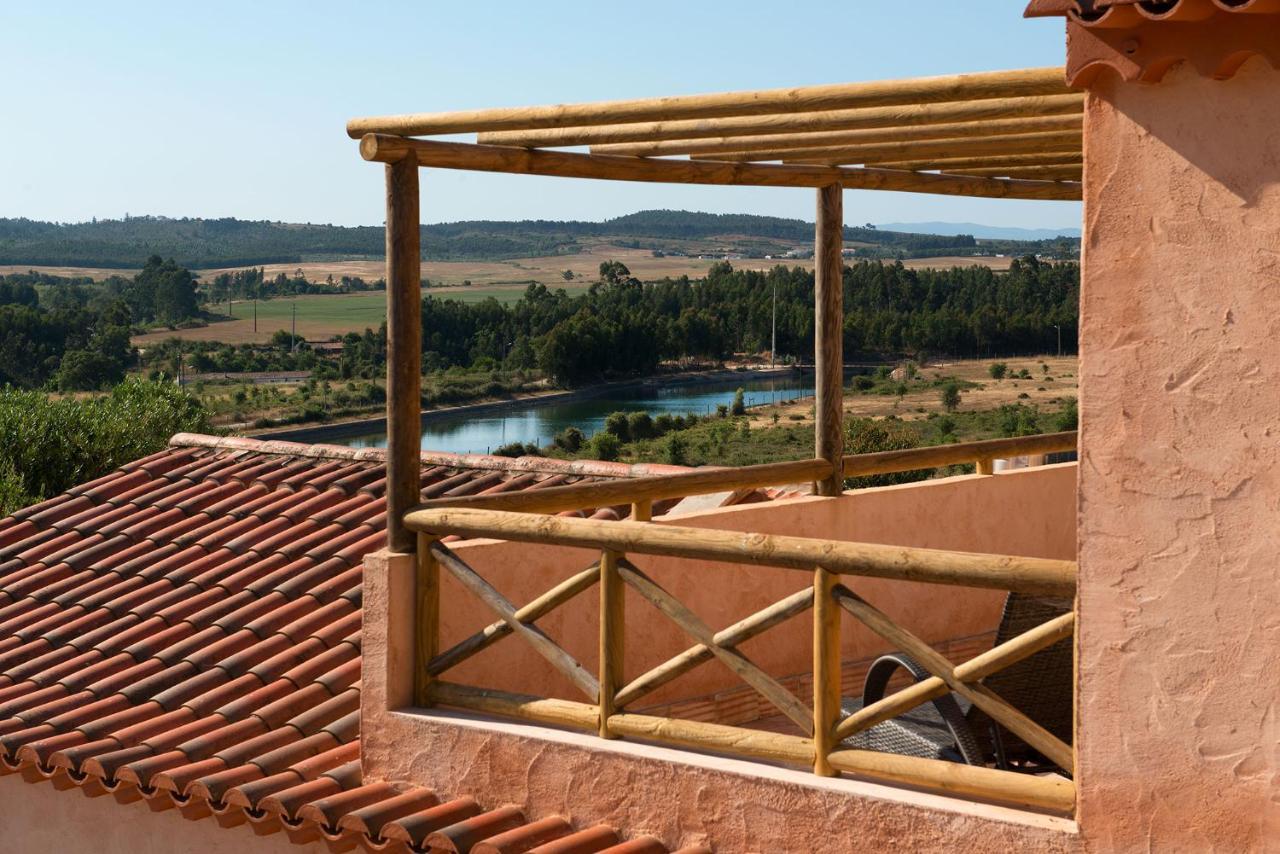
878	675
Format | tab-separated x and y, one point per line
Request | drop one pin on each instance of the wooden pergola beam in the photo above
1013	144
925	90
951	130
1058	172
1003	161
896	116
487	158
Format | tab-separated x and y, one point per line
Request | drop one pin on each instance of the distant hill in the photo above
201	243
982	232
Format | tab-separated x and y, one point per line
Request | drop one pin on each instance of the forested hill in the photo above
199	243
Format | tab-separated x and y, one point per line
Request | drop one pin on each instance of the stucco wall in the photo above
1179	632
1028	512
38	819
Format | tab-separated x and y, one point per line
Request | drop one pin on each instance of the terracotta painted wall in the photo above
1029	512
1179	638
38	819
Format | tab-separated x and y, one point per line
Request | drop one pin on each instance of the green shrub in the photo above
569	439
48	446
951	397
863	383
869	436
677	450
998	370
1068	418
739	406
617	426
640	426
605	446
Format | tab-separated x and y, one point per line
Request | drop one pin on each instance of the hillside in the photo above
205	243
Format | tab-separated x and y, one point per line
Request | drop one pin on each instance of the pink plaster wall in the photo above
685	798
1028	512
1179	633
38	819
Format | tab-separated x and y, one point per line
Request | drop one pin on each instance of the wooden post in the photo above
426	619
826	670
985	465
642	511
404	350
828	342
612	649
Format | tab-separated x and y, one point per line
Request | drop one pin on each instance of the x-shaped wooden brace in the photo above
717	645
963	680
516	621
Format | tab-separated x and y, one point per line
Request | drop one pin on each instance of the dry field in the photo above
992	394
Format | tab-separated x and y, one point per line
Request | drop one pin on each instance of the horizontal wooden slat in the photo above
956	87
994	146
520	161
565	713
897	116
1051	793
1059	172
1001	572
1004	161
887	462
733	740
968	130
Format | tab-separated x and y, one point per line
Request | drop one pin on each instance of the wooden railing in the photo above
645	490
607	694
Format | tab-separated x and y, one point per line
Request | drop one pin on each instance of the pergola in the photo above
1005	134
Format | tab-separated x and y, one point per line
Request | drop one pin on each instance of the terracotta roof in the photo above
1113	13
186	630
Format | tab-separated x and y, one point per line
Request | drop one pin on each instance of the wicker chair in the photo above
950	728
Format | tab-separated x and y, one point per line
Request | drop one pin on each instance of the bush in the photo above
869	436
998	370
640	426
569	439
677	450
863	383
951	397
605	446
739	406
617	426
1068	418
517	449
722	411
48	446
13	490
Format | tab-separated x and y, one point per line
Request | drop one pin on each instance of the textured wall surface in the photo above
1179	634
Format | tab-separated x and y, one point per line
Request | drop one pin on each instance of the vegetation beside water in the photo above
48	445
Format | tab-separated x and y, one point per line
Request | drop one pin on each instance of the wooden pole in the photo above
826	670
426	618
608	167
766	142
612	630
923	90
898	116
1067	142
828	342
404	350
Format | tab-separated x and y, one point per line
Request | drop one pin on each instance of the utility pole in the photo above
773	344
1058	327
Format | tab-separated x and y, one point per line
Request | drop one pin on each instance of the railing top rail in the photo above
966	569
578	496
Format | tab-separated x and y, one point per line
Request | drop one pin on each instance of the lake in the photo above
480	433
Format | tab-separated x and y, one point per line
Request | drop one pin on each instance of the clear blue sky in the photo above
237	108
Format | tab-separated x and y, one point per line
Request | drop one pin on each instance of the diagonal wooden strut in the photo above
993	660
527	614
544	645
768	687
740	632
937	664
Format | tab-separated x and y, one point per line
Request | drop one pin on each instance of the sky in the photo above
237	109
